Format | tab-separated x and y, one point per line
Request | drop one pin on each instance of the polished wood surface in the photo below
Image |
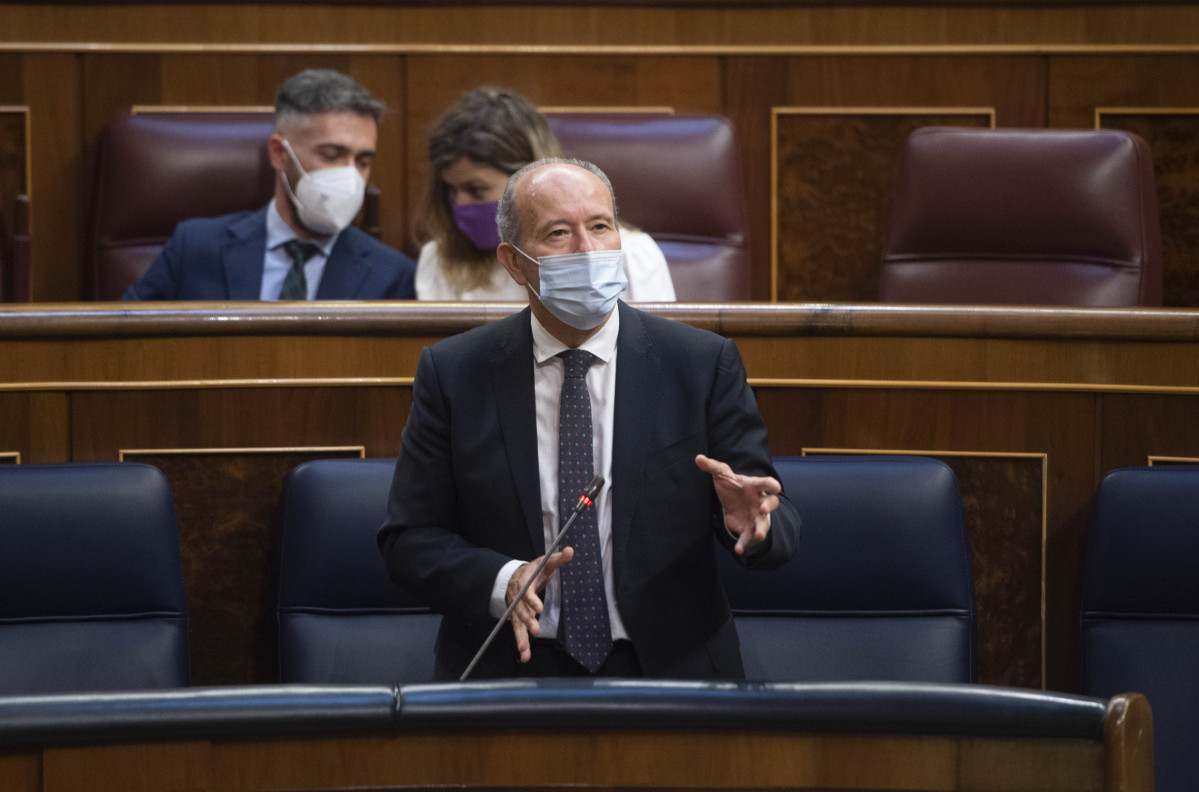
490	759
1030	407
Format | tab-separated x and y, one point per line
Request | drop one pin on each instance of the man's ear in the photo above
510	260
277	152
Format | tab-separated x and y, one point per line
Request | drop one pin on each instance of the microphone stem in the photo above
515	600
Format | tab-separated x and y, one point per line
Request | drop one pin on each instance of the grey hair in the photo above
507	220
317	91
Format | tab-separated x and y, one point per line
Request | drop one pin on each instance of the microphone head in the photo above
594	487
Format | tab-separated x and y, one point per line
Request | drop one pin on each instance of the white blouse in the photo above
644	266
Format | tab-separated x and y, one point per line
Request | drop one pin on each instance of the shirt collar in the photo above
278	232
602	344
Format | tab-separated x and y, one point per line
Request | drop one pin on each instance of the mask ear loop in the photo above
286	181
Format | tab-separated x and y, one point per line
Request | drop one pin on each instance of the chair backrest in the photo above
880	587
91	580
341	618
1140	606
158	169
1024	216
678	178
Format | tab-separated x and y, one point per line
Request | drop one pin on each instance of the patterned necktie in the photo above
295	286
585	630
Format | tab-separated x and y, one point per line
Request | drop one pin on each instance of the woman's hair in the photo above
490	126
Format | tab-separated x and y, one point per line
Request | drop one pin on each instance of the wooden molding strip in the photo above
312	48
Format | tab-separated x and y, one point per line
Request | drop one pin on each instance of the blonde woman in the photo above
474	147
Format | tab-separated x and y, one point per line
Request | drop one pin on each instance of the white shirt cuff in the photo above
499	591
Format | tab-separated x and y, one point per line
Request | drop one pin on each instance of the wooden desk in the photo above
1029	406
808	737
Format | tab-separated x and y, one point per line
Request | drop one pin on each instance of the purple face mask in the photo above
477	221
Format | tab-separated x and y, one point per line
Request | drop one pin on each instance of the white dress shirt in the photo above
547	386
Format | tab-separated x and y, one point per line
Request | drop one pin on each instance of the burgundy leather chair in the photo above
14	251
1024	217
678	178
158	169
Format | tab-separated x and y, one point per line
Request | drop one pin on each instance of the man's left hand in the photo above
747	502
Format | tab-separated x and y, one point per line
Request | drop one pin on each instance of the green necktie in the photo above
295	286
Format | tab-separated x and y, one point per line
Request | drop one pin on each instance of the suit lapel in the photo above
637	369
512	384
243	257
344	271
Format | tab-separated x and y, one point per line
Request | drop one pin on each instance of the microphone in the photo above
585	500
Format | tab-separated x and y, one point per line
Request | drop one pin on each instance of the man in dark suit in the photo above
476	497
301	245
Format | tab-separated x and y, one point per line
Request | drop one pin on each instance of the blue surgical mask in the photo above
581	289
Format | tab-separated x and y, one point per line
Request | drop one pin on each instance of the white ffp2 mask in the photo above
328	199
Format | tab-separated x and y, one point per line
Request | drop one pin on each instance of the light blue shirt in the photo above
278	263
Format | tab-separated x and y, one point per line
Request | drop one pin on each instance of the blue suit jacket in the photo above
221	258
466	495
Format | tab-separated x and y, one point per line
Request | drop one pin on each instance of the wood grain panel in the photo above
36	425
22	772
688	84
225	503
834	174
1079	84
1138	429
53	91
1171	136
624	25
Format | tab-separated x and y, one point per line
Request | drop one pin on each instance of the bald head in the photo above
537	187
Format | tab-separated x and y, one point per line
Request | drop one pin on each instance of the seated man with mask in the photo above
300	246
512	420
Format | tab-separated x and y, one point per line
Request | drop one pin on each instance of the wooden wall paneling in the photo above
834	170
1137	428
1078	84
689	84
35	425
225	502
53	93
1171	134
137	767
985	423
752	86
385	77
22	771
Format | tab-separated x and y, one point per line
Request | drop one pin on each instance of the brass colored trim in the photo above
600	110
122	453
1064	387
1044	459
182	109
1173	460
776	111
13	455
330	382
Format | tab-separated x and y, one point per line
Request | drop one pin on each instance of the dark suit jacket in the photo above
221	258
466	497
